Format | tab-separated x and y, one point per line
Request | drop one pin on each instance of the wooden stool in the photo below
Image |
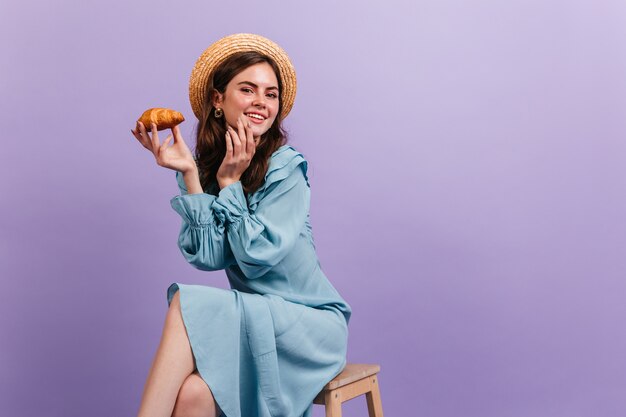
355	379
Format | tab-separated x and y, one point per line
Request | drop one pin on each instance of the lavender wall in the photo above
467	161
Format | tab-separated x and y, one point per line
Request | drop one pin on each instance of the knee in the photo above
194	398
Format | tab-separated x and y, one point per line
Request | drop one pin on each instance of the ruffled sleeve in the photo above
263	231
202	238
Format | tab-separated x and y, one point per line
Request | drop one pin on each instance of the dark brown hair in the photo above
210	140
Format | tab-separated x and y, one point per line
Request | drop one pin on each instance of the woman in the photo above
270	344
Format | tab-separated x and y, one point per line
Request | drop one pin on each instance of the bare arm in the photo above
192	181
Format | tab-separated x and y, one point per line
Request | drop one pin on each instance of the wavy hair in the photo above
210	139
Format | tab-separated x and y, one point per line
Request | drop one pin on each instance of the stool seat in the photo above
354	380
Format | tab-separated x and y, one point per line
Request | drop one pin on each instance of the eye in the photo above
272	95
246	89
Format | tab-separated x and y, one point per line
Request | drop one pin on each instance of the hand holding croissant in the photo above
178	156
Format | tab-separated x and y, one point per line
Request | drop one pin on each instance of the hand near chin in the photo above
240	149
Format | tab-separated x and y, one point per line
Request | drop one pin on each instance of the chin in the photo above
259	131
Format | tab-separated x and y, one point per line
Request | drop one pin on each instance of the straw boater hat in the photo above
215	54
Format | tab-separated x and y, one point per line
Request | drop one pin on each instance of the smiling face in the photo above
254	94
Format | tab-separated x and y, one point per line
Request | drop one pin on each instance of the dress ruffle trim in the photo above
282	164
230	203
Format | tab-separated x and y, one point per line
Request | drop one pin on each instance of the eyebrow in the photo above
256	86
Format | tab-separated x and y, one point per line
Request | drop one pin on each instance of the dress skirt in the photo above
260	355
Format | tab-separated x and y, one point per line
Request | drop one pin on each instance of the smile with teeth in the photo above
257	118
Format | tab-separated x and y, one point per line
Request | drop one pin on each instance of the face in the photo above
254	94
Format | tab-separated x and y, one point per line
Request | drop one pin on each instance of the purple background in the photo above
467	162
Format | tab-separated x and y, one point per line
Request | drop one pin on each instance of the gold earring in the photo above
219	113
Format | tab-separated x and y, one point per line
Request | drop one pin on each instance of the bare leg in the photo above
172	364
195	399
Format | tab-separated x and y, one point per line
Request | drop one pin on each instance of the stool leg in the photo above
333	404
374	404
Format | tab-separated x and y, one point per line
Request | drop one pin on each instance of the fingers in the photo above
176	133
142	129
229	146
250	145
155	137
240	148
138	137
167	141
245	134
141	138
149	142
178	138
145	136
236	142
242	132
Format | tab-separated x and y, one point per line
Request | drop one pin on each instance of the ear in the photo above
218	98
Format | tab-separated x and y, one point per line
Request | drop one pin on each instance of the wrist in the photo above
191	173
192	181
223	183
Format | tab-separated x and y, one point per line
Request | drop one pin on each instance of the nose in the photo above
259	101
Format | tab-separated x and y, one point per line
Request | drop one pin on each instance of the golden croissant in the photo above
164	118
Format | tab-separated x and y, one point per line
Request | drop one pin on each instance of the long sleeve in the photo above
202	238
261	238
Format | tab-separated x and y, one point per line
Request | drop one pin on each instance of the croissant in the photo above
164	118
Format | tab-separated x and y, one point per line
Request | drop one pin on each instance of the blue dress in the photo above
267	346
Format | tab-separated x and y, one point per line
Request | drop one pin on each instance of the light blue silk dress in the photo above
267	346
